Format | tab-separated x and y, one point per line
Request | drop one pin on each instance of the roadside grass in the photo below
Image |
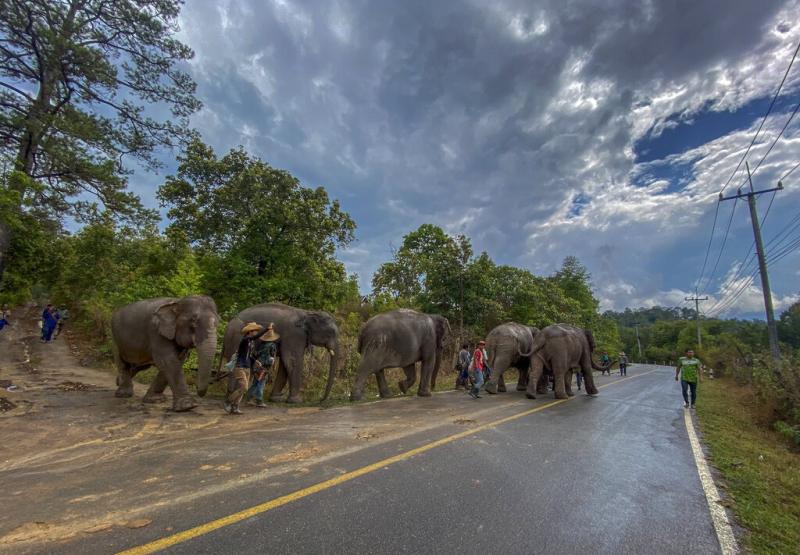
759	467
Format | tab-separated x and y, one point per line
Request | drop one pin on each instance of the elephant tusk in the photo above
330	352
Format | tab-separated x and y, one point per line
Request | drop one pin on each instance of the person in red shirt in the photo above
478	365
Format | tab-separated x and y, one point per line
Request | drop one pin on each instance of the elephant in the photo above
298	329
509	345
399	339
160	332
561	348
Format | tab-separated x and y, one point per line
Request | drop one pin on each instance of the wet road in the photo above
610	474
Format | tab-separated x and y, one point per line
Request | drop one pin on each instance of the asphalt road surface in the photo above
606	474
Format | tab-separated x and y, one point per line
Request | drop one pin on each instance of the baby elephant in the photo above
399	339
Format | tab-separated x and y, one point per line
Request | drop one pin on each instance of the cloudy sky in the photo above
601	129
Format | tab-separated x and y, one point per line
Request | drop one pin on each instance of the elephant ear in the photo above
164	319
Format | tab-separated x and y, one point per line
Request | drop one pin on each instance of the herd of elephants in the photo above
160	332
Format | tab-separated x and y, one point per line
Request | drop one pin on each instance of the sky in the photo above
601	129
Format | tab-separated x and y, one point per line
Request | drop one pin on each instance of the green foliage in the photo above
758	466
78	77
28	243
789	326
437	273
258	233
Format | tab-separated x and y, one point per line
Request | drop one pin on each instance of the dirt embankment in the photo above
76	460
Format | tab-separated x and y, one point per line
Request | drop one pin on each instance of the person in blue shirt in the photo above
48	323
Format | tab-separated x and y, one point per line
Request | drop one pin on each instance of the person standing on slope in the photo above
688	370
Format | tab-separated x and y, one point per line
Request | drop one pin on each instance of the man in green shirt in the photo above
688	370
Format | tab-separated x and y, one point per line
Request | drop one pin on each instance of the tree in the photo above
789	325
427	268
259	233
574	280
77	77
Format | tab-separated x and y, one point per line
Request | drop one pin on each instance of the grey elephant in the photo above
160	332
561	348
399	339
298	329
509	345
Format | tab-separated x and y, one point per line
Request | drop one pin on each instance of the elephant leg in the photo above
124	379
424	389
588	378
155	393
559	383
496	381
276	393
411	377
536	375
568	383
365	368
294	369
383	387
170	365
522	382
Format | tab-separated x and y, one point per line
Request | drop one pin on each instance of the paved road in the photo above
610	474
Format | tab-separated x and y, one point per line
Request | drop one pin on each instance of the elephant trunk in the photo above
205	360
335	353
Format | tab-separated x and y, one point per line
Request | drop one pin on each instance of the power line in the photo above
739	165
763	120
722	248
708	249
780	250
785	125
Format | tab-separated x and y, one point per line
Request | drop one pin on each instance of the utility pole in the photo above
772	327
697	300
638	343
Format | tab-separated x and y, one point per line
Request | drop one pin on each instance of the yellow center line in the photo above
168	541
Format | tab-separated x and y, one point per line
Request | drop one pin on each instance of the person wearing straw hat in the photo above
237	382
265	350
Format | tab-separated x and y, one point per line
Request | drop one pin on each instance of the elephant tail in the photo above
538	343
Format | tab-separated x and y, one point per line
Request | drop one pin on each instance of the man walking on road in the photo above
688	370
264	352
623	364
237	382
476	374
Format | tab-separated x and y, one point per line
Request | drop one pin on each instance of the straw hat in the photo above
270	334
250	326
481	342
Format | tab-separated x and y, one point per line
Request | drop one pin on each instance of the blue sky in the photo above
539	129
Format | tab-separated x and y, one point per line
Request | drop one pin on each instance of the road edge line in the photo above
722	526
203	529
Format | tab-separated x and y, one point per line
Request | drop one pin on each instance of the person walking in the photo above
265	351
4	317
48	323
476	373
63	316
579	378
688	370
462	367
605	363
623	364
237	381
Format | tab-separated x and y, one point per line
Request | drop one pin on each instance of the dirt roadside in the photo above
75	460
